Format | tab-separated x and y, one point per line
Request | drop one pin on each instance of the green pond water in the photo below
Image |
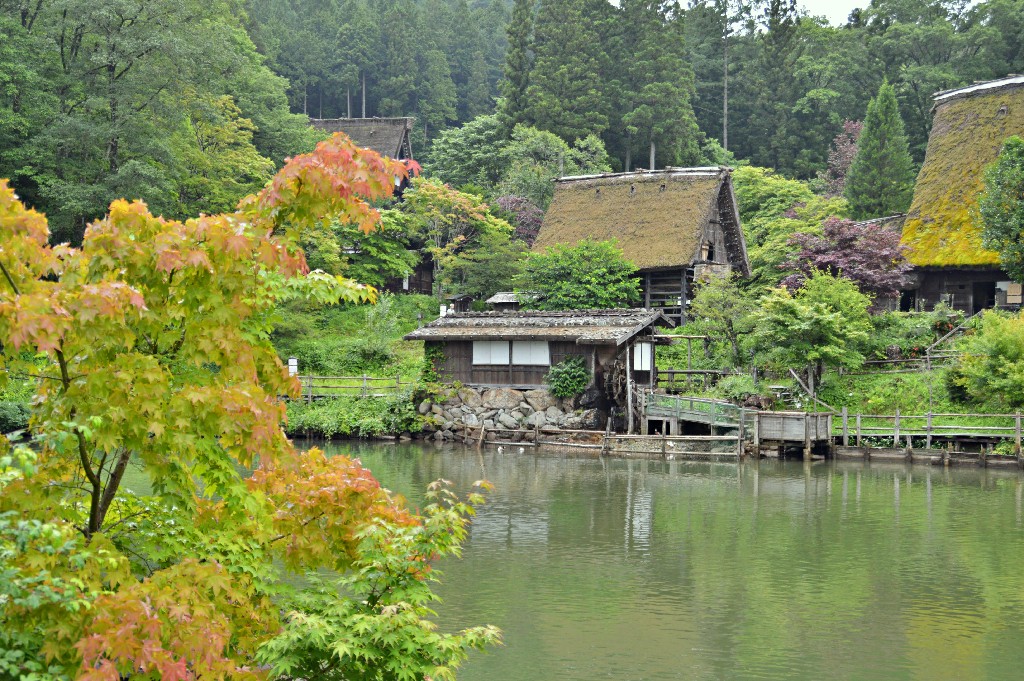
622	569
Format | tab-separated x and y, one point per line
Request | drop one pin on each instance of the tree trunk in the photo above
725	83
114	143
629	152
348	102
364	94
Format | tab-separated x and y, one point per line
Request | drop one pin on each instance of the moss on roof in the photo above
942	227
657	218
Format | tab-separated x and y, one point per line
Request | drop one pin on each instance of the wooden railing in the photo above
903	427
326	387
688	379
715	413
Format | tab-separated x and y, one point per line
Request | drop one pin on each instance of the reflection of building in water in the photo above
512	525
639	511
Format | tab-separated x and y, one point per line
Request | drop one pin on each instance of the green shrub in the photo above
354	417
569	377
738	387
13	416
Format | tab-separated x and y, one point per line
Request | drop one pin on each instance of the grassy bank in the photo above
355	340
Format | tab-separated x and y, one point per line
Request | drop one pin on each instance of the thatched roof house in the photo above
387	136
518	348
941	228
671	224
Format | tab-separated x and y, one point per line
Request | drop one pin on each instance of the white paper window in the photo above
490	352
642	356
531	353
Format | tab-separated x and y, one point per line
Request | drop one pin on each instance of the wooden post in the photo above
689	352
629	391
483	430
714	407
364	385
846	428
928	432
663	439
739	437
1016	433
896	430
807	437
398	382
858	430
757	434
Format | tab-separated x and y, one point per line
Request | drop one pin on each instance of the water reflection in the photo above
628	569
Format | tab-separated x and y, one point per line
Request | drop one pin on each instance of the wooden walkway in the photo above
718	414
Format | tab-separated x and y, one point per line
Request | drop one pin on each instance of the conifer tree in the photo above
565	84
659	88
517	65
881	178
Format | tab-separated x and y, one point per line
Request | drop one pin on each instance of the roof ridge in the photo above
982	86
670	170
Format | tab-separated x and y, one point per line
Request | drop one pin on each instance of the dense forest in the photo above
638	72
190	105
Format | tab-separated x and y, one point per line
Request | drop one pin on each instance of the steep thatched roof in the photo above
657	217
387	136
968	131
585	327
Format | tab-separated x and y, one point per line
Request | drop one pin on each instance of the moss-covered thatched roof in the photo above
969	128
657	217
387	136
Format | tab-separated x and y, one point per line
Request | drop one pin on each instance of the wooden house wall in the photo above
420	281
458	365
968	289
713	236
664	289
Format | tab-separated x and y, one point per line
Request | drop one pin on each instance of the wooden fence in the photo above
930	426
607	442
326	387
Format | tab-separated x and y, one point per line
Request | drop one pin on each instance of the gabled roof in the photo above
969	129
893	222
506	297
658	217
585	327
387	136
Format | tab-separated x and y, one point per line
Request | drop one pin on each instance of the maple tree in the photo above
869	254
150	344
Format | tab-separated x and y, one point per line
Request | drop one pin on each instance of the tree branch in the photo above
282	536
83	453
7	276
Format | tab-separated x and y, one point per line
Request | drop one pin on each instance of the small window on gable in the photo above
642	355
531	353
490	352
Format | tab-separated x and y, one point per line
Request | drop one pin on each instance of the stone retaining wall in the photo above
455	411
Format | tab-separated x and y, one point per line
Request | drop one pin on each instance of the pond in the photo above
636	570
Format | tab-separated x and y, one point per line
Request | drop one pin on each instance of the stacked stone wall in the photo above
453	412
